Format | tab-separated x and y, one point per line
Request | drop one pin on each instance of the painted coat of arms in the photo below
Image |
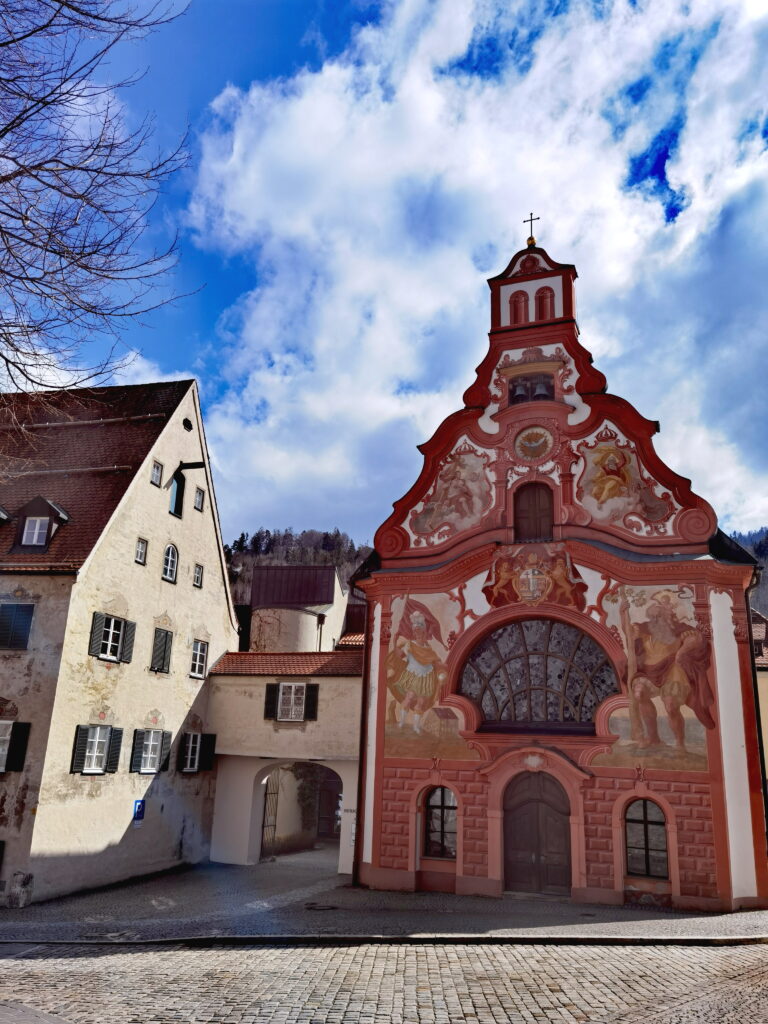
532	574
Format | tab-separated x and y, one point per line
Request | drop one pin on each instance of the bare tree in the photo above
76	187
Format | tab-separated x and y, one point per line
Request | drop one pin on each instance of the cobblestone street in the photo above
381	983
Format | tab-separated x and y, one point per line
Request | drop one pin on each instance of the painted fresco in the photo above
460	497
614	489
533	573
671	703
415	724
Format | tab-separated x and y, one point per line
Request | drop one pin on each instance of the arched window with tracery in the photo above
538	675
533	513
646	839
518	308
440	823
545	304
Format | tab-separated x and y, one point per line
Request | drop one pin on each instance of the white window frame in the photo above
199	501
197	576
199	659
112	638
35	531
170	563
97	749
291	702
156	474
192	752
142	545
150	751
5	742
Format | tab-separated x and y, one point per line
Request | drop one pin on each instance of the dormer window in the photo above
536	387
38	521
35	531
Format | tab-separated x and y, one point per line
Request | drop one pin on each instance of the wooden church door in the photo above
533	512
537	835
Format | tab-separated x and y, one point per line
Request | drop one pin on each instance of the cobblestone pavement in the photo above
301	895
373	984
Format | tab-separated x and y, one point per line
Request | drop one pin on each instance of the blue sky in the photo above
357	170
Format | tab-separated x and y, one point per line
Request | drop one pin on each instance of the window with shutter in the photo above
161	651
191	752
15	625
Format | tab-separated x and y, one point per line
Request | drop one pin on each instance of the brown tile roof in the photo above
351	641
80	449
292	586
304	663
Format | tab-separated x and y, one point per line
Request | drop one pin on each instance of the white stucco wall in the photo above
733	740
84	835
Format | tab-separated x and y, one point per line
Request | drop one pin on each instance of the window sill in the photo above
93	771
108	657
189	771
167	579
176	515
147	771
194	675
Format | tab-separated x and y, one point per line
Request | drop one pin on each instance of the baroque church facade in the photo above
559	681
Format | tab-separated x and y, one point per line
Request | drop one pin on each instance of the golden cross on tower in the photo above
529	220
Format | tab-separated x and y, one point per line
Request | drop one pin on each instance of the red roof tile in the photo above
304	663
351	641
80	449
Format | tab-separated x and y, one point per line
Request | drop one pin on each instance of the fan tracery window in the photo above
538	674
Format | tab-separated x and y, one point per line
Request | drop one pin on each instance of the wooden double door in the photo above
537	835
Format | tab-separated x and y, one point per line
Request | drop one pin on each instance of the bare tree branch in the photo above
76	188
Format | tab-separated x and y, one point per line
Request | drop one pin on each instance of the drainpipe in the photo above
320	624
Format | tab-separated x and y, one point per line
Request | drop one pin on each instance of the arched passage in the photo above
246	812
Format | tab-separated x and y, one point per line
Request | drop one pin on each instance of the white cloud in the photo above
370	193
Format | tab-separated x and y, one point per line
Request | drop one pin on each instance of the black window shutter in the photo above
207	751
78	751
137	750
310	702
270	700
165	752
167	652
181	751
113	750
158	650
97	632
129	632
17	747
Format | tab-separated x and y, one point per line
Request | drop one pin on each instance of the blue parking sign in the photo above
138	810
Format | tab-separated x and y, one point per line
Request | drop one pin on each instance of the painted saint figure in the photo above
668	658
414	668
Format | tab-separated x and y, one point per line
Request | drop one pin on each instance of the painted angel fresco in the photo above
461	495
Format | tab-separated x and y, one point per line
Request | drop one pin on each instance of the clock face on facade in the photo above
533	443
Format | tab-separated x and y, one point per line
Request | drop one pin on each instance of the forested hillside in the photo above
318	547
284	547
756	542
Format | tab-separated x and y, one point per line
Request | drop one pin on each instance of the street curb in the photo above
212	941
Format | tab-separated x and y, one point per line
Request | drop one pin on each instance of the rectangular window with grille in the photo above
199	499
197	579
150	753
290	707
192	752
156	476
199	658
15	624
35	531
111	638
141	551
96	750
